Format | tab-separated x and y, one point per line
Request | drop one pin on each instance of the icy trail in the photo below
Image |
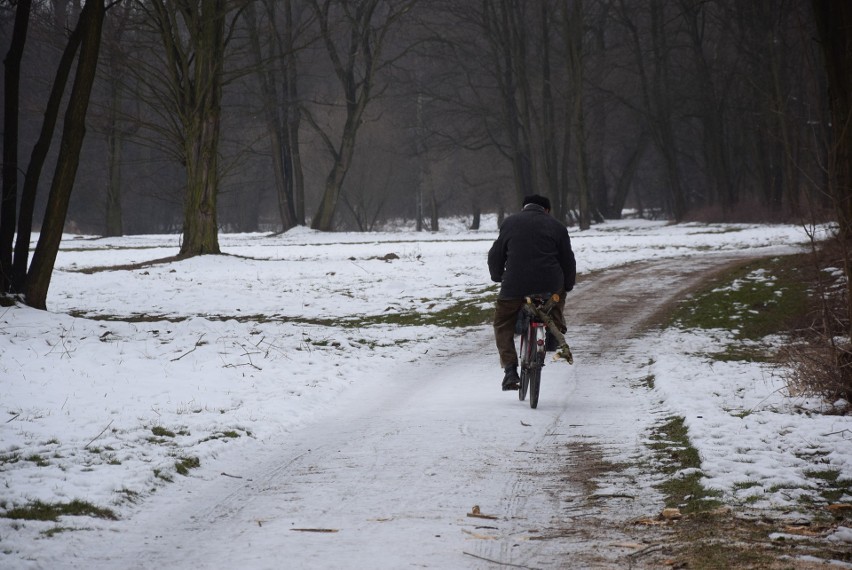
387	478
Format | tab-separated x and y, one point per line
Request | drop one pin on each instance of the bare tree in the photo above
355	34
277	71
193	35
656	101
116	25
574	30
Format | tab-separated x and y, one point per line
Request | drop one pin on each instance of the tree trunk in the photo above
433	203
293	118
113	188
574	38
278	133
11	94
656	103
74	130
622	186
778	106
712	113
549	145
324	218
477	217
201	143
504	29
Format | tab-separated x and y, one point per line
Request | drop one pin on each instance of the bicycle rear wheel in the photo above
534	378
525	349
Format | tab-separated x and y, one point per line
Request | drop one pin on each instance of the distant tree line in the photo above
260	115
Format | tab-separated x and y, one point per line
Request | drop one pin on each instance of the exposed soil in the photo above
621	304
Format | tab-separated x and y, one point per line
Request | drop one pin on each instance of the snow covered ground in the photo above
223	356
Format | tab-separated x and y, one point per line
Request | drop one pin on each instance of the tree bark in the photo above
574	39
622	186
202	128
11	94
74	130
193	35
549	144
113	188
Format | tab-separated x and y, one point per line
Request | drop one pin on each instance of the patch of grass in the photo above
38	460
746	485
735	353
832	488
476	307
742	414
324	343
228	434
129	495
184	464
162	432
40	511
55	530
701	546
719	539
159	474
670	442
754	300
826	475
161	440
9	458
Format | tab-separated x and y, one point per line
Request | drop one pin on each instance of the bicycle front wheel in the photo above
534	378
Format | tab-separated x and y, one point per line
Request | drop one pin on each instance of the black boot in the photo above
511	380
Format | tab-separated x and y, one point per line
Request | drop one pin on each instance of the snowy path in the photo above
392	471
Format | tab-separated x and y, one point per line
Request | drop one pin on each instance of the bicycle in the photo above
536	323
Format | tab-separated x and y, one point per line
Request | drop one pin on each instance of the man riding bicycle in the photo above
531	255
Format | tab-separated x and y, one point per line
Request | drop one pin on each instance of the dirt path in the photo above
390	476
595	496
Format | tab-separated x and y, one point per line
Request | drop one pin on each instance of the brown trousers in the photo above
505	316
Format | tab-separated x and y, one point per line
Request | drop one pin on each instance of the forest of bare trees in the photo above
260	115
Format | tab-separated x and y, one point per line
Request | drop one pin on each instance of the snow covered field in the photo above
172	366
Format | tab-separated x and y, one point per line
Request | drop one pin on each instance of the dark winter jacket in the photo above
532	254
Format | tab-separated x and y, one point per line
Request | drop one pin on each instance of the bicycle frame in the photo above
534	345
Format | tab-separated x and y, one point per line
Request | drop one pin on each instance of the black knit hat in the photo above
542	201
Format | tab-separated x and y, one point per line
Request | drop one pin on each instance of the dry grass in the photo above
820	358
